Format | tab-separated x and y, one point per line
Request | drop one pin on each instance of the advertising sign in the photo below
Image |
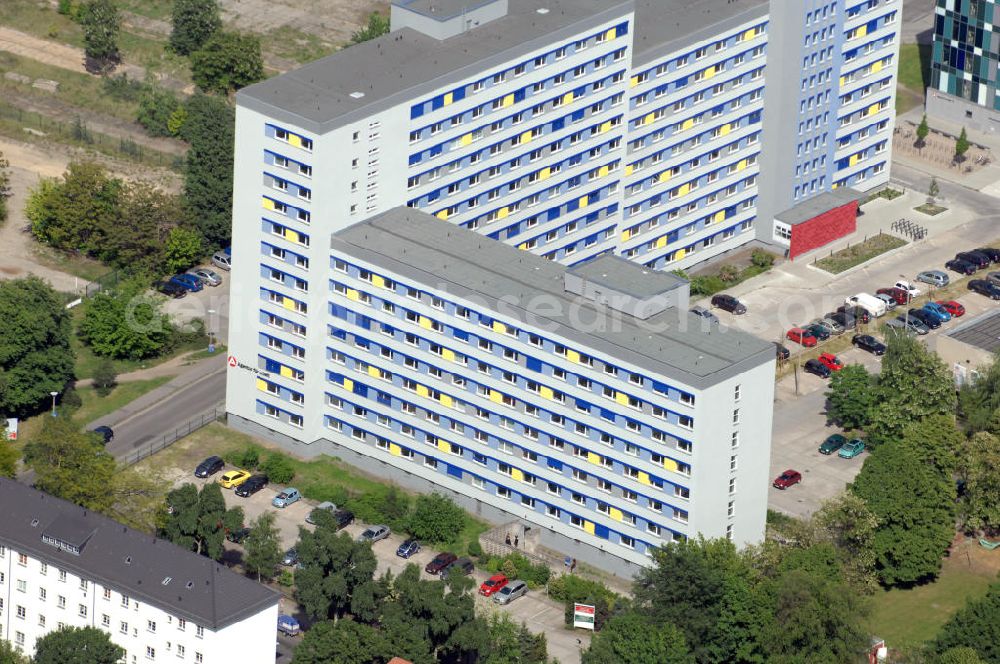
583	616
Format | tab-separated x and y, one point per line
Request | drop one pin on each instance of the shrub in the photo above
516	566
105	378
436	518
475	549
278	468
389	506
247	458
762	258
286	578
571	589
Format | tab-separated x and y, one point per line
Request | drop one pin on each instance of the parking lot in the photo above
536	610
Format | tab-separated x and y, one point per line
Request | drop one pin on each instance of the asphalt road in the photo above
918	21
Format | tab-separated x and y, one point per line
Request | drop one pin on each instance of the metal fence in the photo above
171	437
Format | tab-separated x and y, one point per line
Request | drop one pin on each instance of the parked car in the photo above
463	565
845	320
704	313
816	368
897	294
873	305
171	289
832	326
493	584
925	317
898	326
209	467
440	562
408	548
374	534
288	496
890	301
960	266
852	449
908	287
188	281
511	591
728	303
984	287
288	625
254	484
914	324
222	260
936	278
801	336
993	278
979	260
239	535
290	558
819	331
325	506
343	518
936	309
787	479
858	313
868	343
830	361
952	307
780	352
992	252
233	478
832	443
208	277
106	433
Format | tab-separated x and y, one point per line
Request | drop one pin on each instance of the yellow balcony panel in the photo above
262	385
741	165
443	214
749	34
572	356
292	236
526	137
719	216
395	450
499	327
611	33
670	464
267	203
425	323
687	124
621	398
285	371
295	140
589	526
871	110
710	72
447	400
503	213
628	170
508	100
616	514
353	294
423	390
496	397
684	189
348	384
466	140
843	79
444	446
374	372
606	126
861	31
584	201
523	246
449	97
517	474
649	117
568	98
448	354
644	478
633	82
545	173
378	281
665	176
547	393
855	158
876	67
725	129
594	458
661	241
679	254
288	303
603	171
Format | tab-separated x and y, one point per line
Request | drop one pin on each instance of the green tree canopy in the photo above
102	23
851	397
71	464
979	401
378	25
146	218
263	546
334	566
125	323
156	106
227	62
9	456
35	353
342	642
914	506
199	520
847	523
980	468
208	174
436	518
194	23
74	213
923	129
634	639
77	645
937	440
11	655
961	145
962	655
976	626
509	643
183	249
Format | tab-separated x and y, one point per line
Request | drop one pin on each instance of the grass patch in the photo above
915	67
154	55
95	406
913	616
159	9
87	269
887	193
294	44
857	254
41	21
220	349
930	209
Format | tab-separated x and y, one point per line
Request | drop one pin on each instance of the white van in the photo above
869	303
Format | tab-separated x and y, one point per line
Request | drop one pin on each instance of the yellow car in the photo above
233	478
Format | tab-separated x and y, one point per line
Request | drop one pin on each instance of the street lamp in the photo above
211	331
54	395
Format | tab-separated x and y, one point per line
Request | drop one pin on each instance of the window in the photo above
22	559
22	613
151	626
61	602
150	652
82	610
22	586
199	631
106	620
180	651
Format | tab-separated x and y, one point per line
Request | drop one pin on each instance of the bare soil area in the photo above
334	20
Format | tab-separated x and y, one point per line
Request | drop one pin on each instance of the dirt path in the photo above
335	20
55	53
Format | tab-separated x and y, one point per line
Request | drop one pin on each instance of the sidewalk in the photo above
171	367
986	178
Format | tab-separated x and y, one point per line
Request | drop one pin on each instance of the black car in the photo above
107	434
845	320
728	303
985	288
780	352
974	257
925	317
860	314
171	289
816	368
238	536
209	467
960	266
343	518
253	484
992	252
869	343
463	565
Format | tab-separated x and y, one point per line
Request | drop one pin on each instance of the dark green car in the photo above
832	444
818	331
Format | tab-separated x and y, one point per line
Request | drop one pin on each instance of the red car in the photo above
800	336
492	585
952	307
898	294
787	479
830	361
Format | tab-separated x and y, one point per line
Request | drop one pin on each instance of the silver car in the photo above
222	260
510	592
934	277
374	534
206	276
993	278
830	325
702	312
890	302
915	324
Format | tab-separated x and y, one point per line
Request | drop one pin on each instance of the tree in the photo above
963	655
105	377
137	500
378	25
633	638
923	129
135	241
937	440
851	397
77	645
436	518
125	323
933	190
979	401
847	523
341	642
9	456
35	353
914	506
278	468
199	521
71	464
184	248
156	106
11	655
263	546
208	174
194	23
75	213
334	566
5	191
102	23
227	62
980	470
961	145
509	643
976	626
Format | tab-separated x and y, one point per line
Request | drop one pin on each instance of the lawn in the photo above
857	254
294	44
915	67
910	617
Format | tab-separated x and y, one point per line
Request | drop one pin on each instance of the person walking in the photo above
507	540
572	566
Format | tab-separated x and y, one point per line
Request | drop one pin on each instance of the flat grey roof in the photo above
128	561
441	9
982	332
529	288
817	205
403	65
662	26
627	277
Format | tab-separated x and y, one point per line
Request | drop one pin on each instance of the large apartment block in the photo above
62	565
964	64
